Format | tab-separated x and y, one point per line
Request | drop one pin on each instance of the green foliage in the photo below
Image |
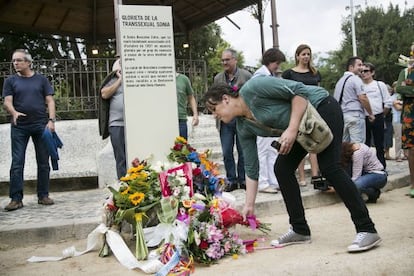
382	35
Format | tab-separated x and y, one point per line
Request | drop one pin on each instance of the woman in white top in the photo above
368	173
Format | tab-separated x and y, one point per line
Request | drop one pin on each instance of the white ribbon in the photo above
117	245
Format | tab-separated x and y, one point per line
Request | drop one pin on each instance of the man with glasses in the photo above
26	94
234	77
354	102
377	93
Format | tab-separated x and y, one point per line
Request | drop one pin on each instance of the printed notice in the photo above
148	78
138	47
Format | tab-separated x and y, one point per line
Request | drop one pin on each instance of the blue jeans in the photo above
182	128
19	139
117	135
371	183
228	136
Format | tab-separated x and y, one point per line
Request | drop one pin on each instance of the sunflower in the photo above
181	139
126	191
136	198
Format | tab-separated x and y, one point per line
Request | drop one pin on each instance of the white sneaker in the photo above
290	238
269	189
364	241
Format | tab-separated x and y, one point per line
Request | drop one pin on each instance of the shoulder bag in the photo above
314	135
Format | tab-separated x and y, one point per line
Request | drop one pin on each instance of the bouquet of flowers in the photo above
139	192
182	152
195	216
208	241
206	176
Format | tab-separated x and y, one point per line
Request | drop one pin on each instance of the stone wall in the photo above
82	149
85	155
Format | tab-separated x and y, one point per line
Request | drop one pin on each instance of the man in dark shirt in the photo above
25	96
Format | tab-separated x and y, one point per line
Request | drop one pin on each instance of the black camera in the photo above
320	183
275	144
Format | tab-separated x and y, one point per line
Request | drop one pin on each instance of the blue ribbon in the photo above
175	259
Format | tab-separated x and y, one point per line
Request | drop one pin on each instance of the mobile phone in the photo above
276	145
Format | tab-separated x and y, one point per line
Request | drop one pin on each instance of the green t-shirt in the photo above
406	90
184	90
269	99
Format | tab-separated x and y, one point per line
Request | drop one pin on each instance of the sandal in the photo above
302	183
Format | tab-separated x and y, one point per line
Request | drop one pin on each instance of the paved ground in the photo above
76	213
332	232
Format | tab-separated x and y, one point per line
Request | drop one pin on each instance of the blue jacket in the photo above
53	142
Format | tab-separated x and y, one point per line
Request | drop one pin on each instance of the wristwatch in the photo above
52	119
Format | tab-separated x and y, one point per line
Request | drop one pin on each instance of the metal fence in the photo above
76	82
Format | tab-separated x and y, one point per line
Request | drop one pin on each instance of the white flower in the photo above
180	173
198	196
182	180
176	191
197	238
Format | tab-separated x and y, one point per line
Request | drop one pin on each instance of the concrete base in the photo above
106	166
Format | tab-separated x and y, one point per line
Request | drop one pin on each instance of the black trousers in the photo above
331	169
375	131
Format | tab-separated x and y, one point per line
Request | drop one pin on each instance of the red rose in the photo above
203	245
178	146
231	217
196	171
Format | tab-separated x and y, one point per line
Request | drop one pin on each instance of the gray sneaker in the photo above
364	241
290	238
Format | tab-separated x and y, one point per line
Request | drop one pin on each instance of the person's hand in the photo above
247	211
287	140
118	74
51	125
371	118
195	121
16	115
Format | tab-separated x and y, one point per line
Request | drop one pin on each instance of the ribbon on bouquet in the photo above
117	245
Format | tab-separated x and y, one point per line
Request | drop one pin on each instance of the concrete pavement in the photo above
76	213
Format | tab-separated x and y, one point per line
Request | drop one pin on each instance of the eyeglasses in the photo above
18	60
365	71
226	60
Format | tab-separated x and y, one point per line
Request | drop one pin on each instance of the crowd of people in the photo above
360	116
363	113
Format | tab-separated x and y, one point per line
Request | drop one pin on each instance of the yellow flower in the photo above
142	174
133	176
181	139
215	203
136	198
126	191
138	216
235	256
